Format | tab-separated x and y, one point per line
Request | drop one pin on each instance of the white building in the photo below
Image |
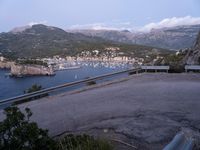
2	58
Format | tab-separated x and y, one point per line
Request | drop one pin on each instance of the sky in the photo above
99	14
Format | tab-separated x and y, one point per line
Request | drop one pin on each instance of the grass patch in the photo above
83	142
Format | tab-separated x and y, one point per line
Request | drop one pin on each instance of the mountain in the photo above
179	37
124	36
193	54
40	40
20	29
46	41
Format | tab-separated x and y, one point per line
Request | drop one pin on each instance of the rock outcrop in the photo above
6	64
193	55
30	70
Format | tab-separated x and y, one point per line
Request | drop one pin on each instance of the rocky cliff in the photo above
24	70
6	64
193	54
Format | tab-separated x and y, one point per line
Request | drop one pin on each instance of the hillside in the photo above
45	41
179	37
193	54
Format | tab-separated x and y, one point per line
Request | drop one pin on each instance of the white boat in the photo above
68	68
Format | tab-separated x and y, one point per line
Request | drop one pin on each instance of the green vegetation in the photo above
91	82
132	73
83	142
40	41
31	62
33	88
175	62
174	58
17	132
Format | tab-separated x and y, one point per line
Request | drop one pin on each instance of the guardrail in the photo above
156	68
192	67
180	142
51	89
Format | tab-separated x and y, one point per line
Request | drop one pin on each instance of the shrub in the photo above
91	82
18	133
33	88
176	68
131	73
175	62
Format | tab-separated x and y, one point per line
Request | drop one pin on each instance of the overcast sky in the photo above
99	14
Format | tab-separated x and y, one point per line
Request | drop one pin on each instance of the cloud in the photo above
103	26
167	22
34	23
172	22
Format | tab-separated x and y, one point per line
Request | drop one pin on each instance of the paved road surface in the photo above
146	110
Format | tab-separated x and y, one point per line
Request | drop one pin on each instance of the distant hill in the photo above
46	41
175	38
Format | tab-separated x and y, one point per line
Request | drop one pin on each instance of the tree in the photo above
18	133
33	88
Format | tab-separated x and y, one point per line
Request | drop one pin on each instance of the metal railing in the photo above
51	89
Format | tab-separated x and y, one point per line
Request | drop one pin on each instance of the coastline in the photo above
58	64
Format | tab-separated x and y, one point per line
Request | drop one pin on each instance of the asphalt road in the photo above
146	110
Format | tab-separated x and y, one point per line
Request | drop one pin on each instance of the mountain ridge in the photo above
47	41
175	38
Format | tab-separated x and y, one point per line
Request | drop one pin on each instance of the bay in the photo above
12	86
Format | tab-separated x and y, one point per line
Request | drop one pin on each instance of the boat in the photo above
68	68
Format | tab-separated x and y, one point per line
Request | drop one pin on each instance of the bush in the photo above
175	62
176	68
91	83
132	73
33	88
18	133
